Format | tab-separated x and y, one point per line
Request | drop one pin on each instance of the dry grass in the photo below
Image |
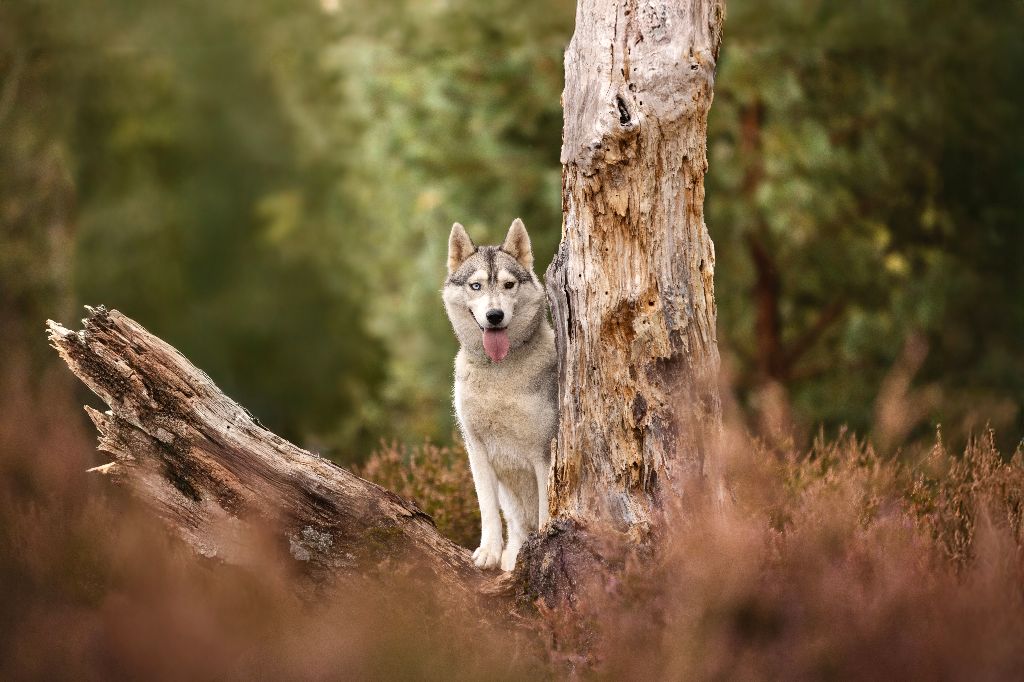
837	564
437	477
834	563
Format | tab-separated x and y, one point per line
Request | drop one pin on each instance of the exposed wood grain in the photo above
631	286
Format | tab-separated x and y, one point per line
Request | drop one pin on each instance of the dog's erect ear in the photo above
460	247
517	244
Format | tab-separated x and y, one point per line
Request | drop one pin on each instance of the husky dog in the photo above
505	385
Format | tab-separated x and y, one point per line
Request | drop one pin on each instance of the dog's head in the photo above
492	296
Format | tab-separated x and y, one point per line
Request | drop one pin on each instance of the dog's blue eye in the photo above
475	286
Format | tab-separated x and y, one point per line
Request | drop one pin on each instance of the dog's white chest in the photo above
510	410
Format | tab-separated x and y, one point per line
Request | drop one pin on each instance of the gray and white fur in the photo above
505	385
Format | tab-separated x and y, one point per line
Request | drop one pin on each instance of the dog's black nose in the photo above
495	316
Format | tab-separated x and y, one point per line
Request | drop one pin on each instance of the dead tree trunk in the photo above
220	480
631	287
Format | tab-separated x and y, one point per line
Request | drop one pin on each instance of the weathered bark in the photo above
219	479
632	287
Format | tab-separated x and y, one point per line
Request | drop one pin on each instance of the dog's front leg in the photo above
488	554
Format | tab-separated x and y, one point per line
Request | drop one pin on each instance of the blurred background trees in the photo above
866	171
269	187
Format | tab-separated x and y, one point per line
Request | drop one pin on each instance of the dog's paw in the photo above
508	558
487	555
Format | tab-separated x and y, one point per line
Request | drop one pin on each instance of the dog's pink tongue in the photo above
496	343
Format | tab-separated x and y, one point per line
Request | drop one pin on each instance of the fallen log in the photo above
218	478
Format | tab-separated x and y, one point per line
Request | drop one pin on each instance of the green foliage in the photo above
269	186
184	164
458	120
38	103
872	149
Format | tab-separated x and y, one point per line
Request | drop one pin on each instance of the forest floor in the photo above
829	562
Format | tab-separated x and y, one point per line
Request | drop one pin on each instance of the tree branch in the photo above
803	343
768	323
